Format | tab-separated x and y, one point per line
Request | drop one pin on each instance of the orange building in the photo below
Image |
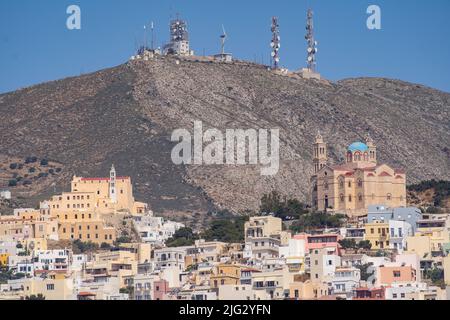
387	275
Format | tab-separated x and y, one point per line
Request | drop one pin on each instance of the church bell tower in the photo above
372	149
320	153
112	185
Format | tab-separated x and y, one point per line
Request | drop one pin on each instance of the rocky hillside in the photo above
125	115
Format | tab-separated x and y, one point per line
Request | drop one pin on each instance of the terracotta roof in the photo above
371	175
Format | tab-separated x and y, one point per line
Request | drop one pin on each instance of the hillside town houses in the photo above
272	262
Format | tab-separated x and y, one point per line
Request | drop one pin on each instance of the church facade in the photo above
361	181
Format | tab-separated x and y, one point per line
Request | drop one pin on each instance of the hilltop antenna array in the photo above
275	43
312	44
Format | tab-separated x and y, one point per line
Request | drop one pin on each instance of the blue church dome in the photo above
358	146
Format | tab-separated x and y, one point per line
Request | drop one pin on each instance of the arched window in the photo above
342	197
325	184
360	197
350	198
341	182
366	157
389	197
360	183
349	157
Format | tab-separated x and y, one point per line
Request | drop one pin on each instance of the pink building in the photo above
160	289
319	241
389	275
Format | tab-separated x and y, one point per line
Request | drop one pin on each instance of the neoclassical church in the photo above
352	186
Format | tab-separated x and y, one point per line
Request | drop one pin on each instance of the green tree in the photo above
182	237
317	220
348	244
286	209
436	276
365	245
364	268
226	230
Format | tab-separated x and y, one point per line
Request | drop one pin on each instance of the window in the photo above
360	198
50	286
389	197
360	183
349	198
397	274
394	295
342	198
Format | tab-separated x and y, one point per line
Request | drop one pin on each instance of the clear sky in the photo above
413	45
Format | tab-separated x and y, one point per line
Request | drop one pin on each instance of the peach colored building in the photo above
359	182
387	275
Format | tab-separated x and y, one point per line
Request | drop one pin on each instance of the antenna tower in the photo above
275	43
312	43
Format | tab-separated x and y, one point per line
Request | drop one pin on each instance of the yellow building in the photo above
85	226
102	195
4	259
225	274
29	223
419	244
56	286
307	290
359	182
377	233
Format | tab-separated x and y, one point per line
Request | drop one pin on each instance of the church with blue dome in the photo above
351	187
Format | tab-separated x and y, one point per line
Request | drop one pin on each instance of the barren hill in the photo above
125	115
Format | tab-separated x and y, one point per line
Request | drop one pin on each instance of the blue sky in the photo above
413	45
